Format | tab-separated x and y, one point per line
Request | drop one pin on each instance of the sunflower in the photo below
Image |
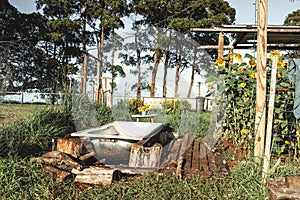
241	69
275	53
238	57
280	64
244	131
220	62
243	84
253	75
252	63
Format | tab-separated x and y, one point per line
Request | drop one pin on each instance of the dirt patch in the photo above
8	119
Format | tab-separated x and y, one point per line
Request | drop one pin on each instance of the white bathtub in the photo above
113	141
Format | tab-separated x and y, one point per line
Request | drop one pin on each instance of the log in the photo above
293	183
72	147
57	158
145	157
57	174
96	175
284	188
87	156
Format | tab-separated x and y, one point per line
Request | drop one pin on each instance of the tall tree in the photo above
64	34
105	16
22	51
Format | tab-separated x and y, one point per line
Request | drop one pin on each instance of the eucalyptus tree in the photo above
64	38
181	16
187	14
154	13
104	16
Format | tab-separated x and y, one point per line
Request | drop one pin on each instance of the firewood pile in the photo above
161	153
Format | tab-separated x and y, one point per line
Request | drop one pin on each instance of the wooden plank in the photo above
267	155
195	158
204	163
173	153
260	113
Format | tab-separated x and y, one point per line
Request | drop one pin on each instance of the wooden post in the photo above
221	45
270	120
260	114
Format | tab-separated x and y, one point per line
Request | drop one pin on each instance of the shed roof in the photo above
278	37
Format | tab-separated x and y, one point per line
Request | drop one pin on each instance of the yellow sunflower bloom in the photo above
275	53
278	75
209	85
280	120
287	142
252	63
244	131
246	99
280	64
238	57
241	69
220	62
243	84
253	75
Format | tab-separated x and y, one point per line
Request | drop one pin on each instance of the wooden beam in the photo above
260	112
267	155
221	45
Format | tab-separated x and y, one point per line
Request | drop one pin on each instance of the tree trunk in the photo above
177	76
178	64
157	56
167	56
99	66
84	66
192	75
138	52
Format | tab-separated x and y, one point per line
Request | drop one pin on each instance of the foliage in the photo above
35	133
173	109
240	85
173	106
293	18
104	114
134	104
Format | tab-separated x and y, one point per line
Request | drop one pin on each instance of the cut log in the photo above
293	182
58	175
87	156
284	188
57	158
145	157
72	147
96	175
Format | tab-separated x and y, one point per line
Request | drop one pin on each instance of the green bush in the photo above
35	133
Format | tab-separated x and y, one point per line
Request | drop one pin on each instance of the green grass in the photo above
22	179
9	112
